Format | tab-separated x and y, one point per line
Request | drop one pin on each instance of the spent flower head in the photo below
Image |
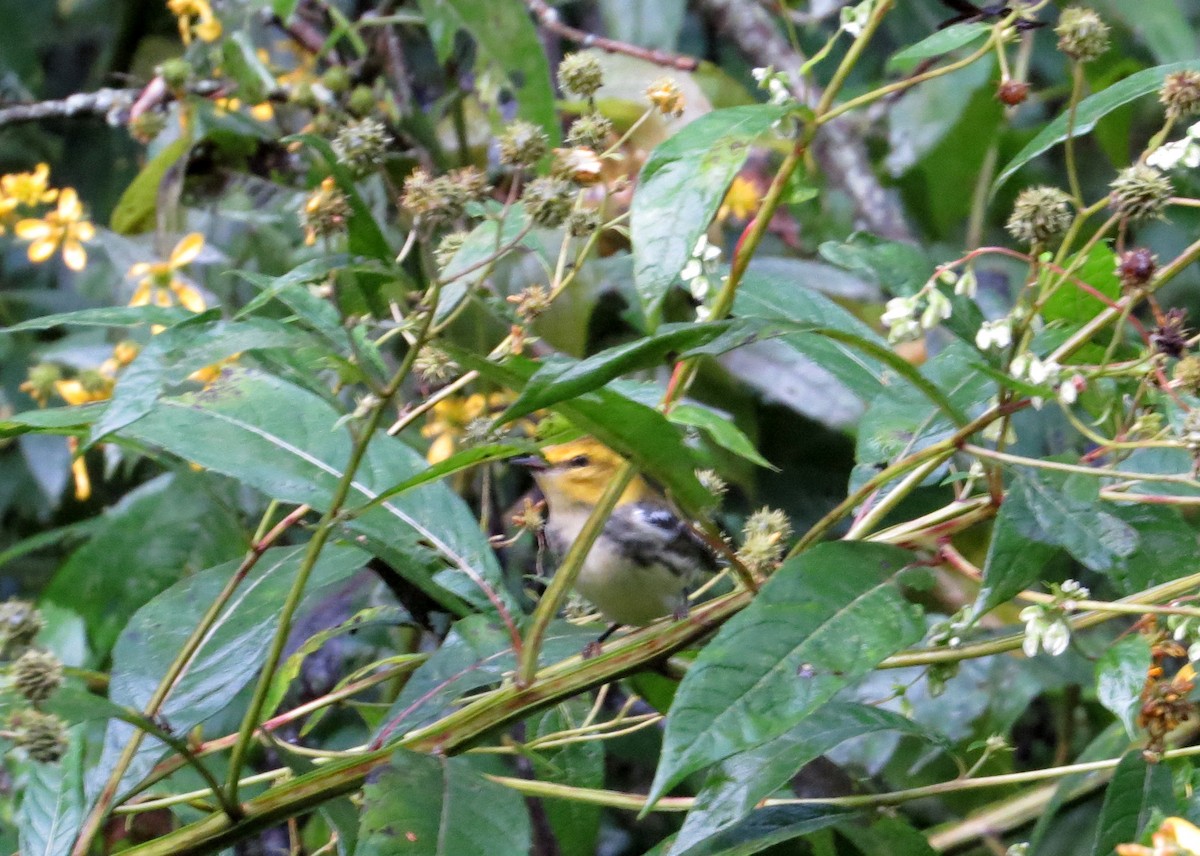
362	144
1140	192
1040	214
43	736
580	74
522	144
548	201
37	675
591	130
1081	34
764	538
325	213
20	623
1180	93
666	96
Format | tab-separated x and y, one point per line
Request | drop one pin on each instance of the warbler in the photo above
646	558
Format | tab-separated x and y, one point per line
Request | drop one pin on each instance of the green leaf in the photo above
504	35
900	269
639	432
365	237
481	244
826	618
680	188
739	783
52	805
560	378
286	442
1067	512
424	805
52	420
1160	24
576	825
722	431
1090	110
1137	789
165	530
767	827
1071	303
456	463
1120	677
254	79
174	354
229	657
476	653
381	616
1110	742
942	42
1166	543
135	210
1014	562
105	316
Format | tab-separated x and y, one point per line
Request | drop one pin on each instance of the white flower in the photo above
994	334
907	330
1185	152
1045	628
705	251
1068	391
1075	589
947	277
855	18
774	82
1056	637
1194	651
694	269
937	309
967	284
1044	372
898	309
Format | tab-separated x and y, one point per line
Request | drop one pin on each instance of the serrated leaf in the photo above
229	657
1071	303
1067	512
767	827
722	431
942	42
739	783
1120	676
174	354
826	618
104	316
1137	789
424	805
1091	110
52	805
504	35
560	378
639	432
286	442
680	188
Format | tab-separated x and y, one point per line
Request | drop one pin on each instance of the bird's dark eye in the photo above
577	461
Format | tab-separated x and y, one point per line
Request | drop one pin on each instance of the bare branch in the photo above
109	103
548	19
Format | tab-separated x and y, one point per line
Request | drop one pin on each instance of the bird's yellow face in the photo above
577	473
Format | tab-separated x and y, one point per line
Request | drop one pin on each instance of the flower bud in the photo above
1081	34
336	79
175	73
37	675
1139	192
361	102
40	382
580	74
1039	214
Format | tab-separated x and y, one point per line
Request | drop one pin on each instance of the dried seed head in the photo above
591	130
362	144
37	675
1140	192
580	74
1136	267
447	248
1180	93
1039	214
582	223
548	201
20	623
522	144
43	736
1171	337
434	365
1081	34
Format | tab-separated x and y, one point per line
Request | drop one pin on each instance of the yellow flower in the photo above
263	112
29	188
84	390
83	482
195	18
741	200
63	226
1175	837
158	283
208	374
666	95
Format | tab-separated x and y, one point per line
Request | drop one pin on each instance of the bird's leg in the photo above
591	649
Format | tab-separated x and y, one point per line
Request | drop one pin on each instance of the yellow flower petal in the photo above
42	249
68	205
31	230
263	112
1184	834
186	250
208	31
72	392
83	482
84	230
74	256
189	298
141	294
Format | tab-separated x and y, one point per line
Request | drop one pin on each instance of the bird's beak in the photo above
530	462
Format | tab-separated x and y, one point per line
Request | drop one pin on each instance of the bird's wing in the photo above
652	533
